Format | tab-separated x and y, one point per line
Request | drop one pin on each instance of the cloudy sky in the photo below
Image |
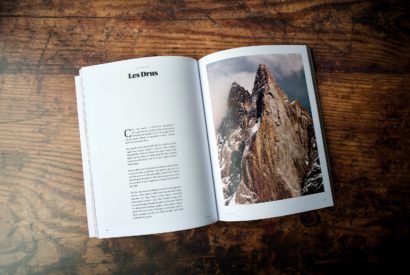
287	69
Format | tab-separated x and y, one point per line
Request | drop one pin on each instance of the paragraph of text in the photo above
147	203
153	174
137	154
143	134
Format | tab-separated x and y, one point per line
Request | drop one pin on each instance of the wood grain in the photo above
361	58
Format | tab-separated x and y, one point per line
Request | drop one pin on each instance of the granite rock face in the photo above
266	145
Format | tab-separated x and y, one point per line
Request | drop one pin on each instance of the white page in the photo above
89	198
232	65
120	100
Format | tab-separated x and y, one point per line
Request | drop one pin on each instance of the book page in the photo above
267	147
147	145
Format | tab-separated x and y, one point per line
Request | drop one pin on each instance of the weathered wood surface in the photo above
361	56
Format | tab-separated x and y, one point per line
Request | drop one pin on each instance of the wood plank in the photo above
30	45
201	10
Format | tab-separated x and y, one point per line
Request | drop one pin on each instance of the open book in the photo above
171	143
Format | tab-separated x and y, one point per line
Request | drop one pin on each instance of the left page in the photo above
147	146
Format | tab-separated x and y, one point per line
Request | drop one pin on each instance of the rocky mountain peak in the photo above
239	100
266	145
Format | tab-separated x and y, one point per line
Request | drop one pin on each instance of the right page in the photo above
266	140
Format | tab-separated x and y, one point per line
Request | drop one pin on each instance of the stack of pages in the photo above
170	143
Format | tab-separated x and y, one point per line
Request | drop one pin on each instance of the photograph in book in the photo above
264	129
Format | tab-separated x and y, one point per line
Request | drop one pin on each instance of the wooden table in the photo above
361	56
